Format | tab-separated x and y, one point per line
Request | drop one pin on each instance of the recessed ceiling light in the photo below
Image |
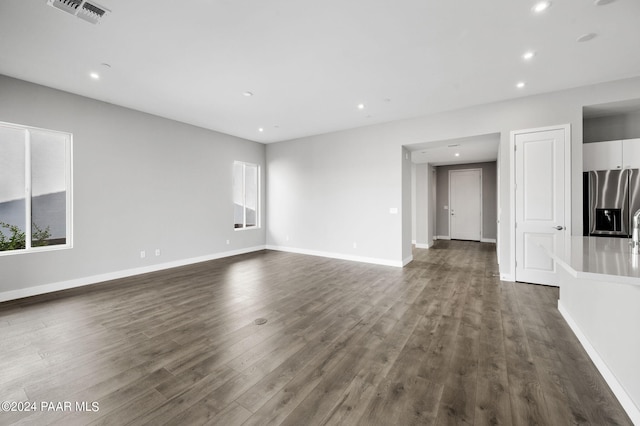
457	154
106	65
248	94
528	55
95	76
586	37
520	85
541	6
260	129
360	106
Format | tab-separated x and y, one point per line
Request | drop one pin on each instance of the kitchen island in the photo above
599	283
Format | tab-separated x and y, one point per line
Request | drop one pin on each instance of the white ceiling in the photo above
309	64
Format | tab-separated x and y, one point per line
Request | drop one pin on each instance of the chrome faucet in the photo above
635	235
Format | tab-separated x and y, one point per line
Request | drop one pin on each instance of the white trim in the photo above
512	181
618	390
95	279
479	170
28	192
442	237
423	246
413	242
376	261
487	240
69	177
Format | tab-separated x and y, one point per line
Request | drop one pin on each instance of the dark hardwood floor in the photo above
441	341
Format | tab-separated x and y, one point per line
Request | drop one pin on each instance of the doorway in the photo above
465	204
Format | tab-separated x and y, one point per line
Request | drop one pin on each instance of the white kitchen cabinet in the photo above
631	153
602	156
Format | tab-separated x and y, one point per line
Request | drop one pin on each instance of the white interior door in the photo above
540	203
465	204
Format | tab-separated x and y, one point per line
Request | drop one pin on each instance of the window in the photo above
246	195
35	189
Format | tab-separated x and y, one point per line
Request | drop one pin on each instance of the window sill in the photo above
35	250
246	229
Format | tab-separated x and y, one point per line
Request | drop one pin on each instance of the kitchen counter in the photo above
599	282
599	258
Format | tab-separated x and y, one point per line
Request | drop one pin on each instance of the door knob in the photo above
559	228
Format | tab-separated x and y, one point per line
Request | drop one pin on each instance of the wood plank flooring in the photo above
441	341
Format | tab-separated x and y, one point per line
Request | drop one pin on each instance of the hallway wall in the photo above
489	203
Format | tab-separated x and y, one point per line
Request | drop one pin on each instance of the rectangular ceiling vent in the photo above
89	11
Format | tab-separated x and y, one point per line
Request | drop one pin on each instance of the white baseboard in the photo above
376	261
423	246
94	279
625	400
447	237
407	260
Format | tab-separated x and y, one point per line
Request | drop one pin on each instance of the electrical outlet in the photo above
287	238
228	242
355	245
143	254
157	252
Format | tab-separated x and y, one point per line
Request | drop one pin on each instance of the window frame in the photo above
28	192
244	165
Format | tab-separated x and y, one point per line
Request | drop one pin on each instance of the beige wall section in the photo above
366	162
140	182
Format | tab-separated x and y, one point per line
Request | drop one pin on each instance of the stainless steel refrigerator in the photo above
610	199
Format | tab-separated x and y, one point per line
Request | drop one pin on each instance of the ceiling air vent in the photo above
86	10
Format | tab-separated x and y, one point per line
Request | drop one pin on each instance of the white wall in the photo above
432	184
362	166
406	206
422	206
140	182
413	203
327	192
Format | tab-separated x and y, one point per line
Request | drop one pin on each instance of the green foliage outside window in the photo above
16	239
